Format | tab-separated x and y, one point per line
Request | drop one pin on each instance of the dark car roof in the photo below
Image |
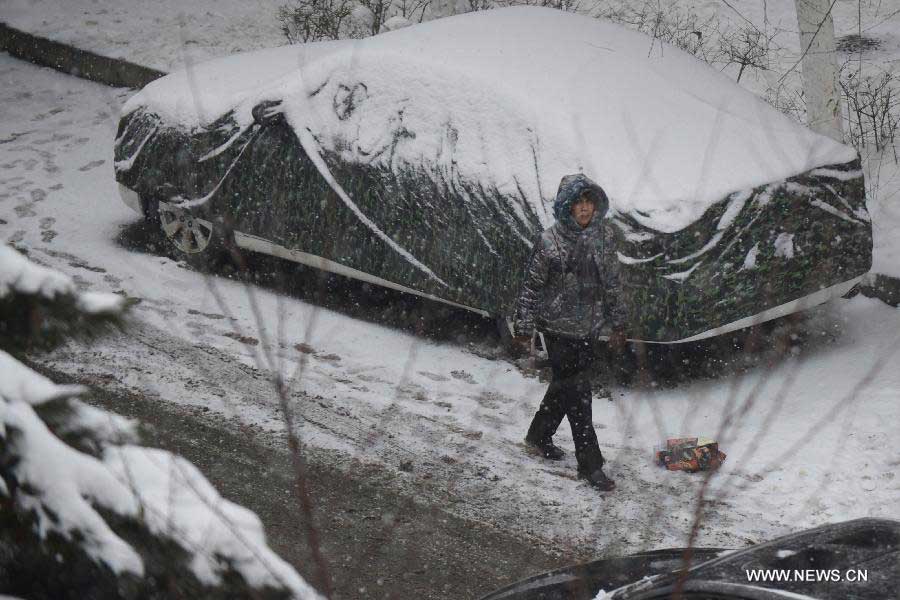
868	545
583	581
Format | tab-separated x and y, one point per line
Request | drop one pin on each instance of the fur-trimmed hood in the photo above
571	187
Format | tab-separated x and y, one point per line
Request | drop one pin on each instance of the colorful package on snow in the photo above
690	454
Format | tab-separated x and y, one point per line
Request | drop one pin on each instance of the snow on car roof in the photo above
514	99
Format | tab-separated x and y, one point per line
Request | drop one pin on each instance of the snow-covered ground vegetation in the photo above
86	512
808	426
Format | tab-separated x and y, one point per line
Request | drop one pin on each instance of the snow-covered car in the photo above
427	159
857	559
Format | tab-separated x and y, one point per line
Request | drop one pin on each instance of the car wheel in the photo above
205	246
856	289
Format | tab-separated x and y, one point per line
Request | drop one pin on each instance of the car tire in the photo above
206	246
856	289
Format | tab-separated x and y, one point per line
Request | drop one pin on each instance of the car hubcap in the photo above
189	234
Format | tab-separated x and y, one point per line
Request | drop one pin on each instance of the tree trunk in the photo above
820	75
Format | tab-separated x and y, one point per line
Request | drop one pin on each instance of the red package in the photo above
690	454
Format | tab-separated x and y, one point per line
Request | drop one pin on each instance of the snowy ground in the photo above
810	449
164	35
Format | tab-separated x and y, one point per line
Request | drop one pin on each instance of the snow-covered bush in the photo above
680	27
315	20
39	306
85	511
397	22
872	106
746	47
566	5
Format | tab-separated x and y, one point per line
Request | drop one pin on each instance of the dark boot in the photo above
597	479
590	468
545	448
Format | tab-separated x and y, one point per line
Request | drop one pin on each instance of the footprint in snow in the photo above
433	376
47	222
332	358
244	339
24	211
488	400
216	316
51	112
91	165
463	376
14	136
79	264
38	195
56	137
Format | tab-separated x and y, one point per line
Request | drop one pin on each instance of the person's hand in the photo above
522	344
617	341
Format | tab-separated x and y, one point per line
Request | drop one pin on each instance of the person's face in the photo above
583	211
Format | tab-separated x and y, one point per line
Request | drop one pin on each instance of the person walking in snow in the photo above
570	294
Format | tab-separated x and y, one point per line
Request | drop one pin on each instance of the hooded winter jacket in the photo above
571	286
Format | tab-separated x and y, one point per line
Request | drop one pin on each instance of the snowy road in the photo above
810	448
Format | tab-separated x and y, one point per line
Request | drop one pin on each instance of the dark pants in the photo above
569	395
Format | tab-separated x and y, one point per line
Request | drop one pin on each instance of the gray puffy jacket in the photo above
571	286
